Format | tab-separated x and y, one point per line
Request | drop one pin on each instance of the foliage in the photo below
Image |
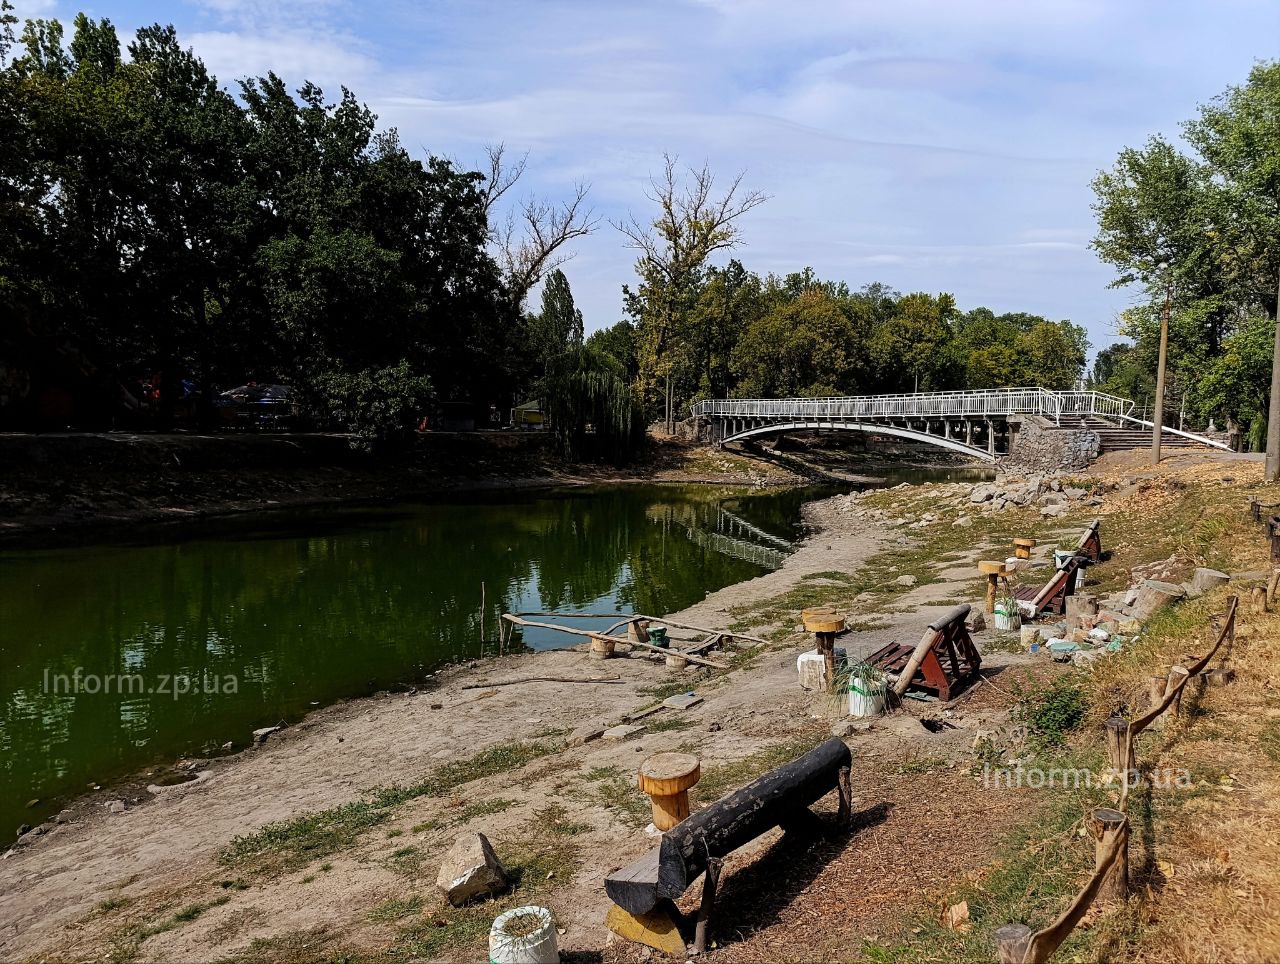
591	408
1201	228
806	346
1052	711
159	229
556	329
379	407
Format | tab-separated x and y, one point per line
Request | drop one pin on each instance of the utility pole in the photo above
1272	471
1157	414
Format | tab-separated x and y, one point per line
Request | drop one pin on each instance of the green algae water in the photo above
116	658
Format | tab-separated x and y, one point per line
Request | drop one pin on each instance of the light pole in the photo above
1157	415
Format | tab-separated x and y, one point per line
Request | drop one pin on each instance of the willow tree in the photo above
591	408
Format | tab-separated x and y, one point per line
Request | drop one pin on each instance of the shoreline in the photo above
336	754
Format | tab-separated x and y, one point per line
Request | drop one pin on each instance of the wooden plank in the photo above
634	887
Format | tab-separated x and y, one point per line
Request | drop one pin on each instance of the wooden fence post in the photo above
1012	943
1178	679
1106	824
1117	733
1157	689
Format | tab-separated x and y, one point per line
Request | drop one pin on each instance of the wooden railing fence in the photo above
1017	943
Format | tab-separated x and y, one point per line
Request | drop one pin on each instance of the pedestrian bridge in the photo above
981	424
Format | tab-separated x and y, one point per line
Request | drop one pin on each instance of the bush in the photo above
379	407
1051	712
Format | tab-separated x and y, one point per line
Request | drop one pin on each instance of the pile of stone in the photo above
1051	494
1093	626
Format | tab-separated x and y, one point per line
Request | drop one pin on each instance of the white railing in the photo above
997	401
1000	401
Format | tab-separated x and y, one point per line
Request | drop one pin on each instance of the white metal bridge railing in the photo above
999	401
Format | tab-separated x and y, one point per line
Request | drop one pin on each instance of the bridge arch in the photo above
953	445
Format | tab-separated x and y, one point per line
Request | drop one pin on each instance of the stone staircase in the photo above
1121	437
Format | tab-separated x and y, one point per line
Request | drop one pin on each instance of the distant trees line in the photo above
154	225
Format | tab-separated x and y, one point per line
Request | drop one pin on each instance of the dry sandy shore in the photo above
89	888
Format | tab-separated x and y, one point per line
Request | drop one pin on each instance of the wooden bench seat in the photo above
950	664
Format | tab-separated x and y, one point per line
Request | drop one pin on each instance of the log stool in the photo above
1022	548
824	622
666	778
994	571
601	646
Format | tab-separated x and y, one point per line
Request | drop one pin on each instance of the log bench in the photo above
945	660
1052	597
648	887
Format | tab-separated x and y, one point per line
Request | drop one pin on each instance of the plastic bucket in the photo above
658	636
866	698
536	947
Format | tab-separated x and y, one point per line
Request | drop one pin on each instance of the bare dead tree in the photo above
692	225
530	240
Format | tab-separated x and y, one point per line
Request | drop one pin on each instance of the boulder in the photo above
907	580
471	869
1053	511
975	622
963	521
981	493
1154	596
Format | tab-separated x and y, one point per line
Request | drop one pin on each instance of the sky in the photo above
932	145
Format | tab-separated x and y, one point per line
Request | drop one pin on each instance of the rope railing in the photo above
1017	943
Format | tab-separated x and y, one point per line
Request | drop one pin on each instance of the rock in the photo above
260	735
116	806
23	829
1129	627
981	493
1154	596
621	732
963	522
907	580
1074	493
1202	580
470	869
843	728
975	622
585	734
1053	511
682	701
1249	575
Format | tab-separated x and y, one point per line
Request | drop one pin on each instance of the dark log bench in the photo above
698	843
950	662
1052	597
1090	545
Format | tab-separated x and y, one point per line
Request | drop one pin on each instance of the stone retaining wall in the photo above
1037	449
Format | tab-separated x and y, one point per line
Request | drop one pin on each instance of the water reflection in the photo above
112	658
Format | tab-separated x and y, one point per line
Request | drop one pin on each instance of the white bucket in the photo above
865	697
1008	622
536	948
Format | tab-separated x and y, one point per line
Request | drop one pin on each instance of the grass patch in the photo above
555	819
670	723
292	844
537	863
1269	740
397	908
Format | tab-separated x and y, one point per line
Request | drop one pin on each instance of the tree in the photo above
591	409
915	341
805	347
1238	381
619	343
558	327
530	239
691	225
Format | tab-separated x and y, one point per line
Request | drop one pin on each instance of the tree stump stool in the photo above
994	571
601	647
824	622
1022	548
666	778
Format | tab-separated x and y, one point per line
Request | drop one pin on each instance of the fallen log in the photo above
521	621
544	679
780	797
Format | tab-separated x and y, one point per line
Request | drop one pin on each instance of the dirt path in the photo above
163	881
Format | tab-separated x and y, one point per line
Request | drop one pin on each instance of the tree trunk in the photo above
1272	471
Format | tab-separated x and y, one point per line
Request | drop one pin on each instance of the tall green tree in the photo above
557	328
